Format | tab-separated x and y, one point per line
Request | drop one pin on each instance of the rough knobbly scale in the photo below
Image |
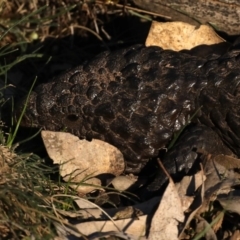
137	97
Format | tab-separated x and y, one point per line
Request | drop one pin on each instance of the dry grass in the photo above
25	197
25	21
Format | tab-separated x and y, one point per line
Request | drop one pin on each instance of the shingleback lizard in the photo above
138	97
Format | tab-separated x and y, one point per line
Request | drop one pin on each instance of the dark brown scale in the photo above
136	98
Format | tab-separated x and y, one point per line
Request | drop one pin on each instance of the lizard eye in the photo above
73	117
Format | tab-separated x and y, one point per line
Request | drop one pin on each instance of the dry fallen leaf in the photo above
66	233
86	186
228	162
122	183
218	185
235	236
231	201
187	187
219	179
203	226
135	227
90	212
128	212
168	215
81	159
129	219
179	35
195	206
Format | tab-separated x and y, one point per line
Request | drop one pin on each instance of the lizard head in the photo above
42	109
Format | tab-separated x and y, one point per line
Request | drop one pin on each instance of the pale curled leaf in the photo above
195	206
203	228
122	183
80	159
168	215
86	186
219	178
84	204
231	201
90	211
227	162
179	35
236	235
135	227
66	233
187	187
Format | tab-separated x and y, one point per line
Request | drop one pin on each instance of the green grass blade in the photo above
11	139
